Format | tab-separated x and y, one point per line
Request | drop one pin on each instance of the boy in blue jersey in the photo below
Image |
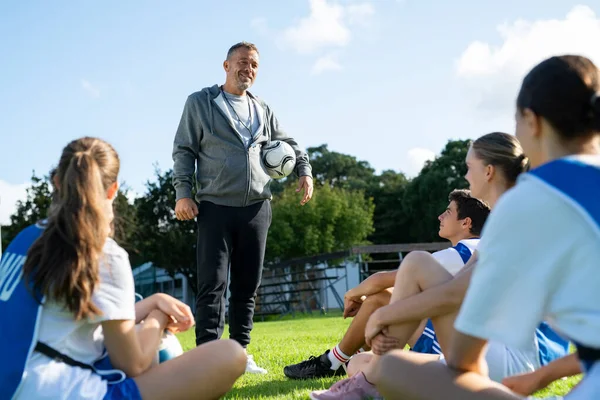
461	224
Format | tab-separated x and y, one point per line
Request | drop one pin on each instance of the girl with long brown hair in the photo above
75	298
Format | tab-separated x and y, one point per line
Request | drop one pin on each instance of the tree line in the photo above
352	205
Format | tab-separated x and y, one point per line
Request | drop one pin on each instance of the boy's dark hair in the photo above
470	207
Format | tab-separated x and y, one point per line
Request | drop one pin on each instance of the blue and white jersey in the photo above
539	259
25	373
19	306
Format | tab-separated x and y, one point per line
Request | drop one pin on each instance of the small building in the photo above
150	279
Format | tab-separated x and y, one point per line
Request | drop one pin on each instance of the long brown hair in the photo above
63	263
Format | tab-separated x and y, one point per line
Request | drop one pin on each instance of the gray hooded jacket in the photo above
227	172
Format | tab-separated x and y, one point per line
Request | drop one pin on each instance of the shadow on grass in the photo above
279	388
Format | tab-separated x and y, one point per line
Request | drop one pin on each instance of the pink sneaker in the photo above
355	388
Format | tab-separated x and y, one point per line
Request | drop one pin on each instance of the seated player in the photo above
461	224
547	267
425	290
67	296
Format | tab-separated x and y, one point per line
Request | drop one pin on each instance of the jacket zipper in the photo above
246	150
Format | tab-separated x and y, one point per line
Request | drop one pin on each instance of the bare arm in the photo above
181	316
132	351
373	284
143	308
527	384
467	354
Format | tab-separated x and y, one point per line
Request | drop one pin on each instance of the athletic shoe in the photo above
355	388
252	368
314	367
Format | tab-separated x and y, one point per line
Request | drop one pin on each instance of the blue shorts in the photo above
127	389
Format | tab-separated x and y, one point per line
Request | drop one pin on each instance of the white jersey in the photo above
451	258
538	260
81	340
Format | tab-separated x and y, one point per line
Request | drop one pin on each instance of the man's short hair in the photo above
468	206
246	45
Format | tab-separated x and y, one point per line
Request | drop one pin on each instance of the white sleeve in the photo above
450	260
115	294
518	267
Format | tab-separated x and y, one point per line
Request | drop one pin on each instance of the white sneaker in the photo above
252	368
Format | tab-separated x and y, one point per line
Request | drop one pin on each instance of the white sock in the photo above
337	357
361	350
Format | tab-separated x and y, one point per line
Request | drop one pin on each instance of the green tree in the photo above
37	203
337	169
160	238
347	172
390	217
426	196
125	223
335	219
31	210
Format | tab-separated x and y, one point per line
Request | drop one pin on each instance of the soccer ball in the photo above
169	347
279	159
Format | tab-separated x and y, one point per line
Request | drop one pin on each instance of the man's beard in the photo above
243	85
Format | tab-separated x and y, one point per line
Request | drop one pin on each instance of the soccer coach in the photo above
220	135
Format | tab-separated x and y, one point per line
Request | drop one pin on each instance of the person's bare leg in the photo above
358	363
404	375
418	272
205	372
417	334
354	338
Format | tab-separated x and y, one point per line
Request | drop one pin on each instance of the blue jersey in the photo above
579	183
22	307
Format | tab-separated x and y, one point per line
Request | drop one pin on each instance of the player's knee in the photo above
378	300
411	264
236	354
391	361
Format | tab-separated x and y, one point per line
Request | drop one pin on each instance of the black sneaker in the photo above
314	367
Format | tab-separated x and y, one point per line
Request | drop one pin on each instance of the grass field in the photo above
276	344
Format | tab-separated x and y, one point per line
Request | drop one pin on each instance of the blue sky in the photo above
387	81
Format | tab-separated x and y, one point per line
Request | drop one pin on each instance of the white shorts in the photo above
504	362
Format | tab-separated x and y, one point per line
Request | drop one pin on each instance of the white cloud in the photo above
260	25
9	195
92	90
416	160
359	13
492	74
328	62
326	26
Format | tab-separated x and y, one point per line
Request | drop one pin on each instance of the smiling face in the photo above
241	68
